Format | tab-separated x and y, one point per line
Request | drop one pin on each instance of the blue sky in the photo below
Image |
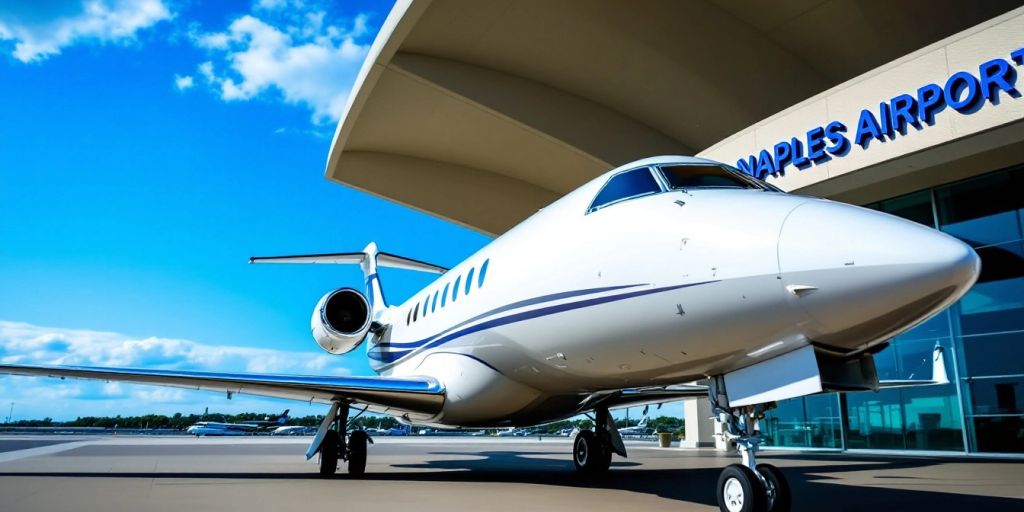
147	149
136	180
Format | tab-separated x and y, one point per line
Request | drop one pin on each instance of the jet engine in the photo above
341	320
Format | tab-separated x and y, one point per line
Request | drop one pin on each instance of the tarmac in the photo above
414	474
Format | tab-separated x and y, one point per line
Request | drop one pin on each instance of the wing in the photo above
419	395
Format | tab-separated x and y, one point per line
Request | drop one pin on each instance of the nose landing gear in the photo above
749	486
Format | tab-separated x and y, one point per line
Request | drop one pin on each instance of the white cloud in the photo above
23	343
270	4
43	33
183	82
295	54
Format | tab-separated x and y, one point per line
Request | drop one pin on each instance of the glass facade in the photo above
982	410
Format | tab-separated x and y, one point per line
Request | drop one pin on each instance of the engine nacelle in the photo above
341	320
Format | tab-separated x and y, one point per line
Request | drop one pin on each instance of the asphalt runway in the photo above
449	474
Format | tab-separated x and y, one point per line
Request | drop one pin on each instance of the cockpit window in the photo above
626	185
709	176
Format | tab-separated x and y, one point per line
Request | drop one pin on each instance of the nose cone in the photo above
862	276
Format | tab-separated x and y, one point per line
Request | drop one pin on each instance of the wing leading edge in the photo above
418	395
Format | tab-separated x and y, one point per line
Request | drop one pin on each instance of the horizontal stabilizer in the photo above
354	258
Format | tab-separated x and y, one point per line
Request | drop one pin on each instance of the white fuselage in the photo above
661	289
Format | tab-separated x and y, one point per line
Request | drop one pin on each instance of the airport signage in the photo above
963	92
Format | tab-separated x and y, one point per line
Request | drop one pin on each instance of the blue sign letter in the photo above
834	133
997	72
963	81
867	129
783	156
930	101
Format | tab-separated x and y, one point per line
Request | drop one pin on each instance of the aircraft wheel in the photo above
779	498
740	490
589	456
357	442
329	454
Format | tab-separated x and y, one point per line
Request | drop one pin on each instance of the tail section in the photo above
374	291
283	417
368	260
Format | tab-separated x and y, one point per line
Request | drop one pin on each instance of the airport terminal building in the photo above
483	112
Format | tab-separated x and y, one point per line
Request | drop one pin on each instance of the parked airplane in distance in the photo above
292	430
401	430
246	428
655	275
640	429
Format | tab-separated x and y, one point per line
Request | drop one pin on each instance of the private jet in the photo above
245	428
667	278
640	429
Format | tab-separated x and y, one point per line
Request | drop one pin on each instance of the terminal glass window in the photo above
706	176
980	331
988	213
626	185
807	422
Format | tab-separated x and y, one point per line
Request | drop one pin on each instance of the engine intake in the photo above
341	320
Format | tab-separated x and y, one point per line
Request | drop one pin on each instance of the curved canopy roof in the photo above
483	112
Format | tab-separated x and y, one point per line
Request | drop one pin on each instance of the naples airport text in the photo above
963	92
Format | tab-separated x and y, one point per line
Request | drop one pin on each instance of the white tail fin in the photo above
368	260
374	292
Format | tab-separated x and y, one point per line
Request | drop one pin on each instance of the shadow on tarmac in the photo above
809	482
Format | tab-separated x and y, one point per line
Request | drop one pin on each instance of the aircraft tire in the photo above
589	455
329	454
357	442
740	490
782	501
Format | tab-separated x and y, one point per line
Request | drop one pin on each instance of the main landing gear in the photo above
592	450
338	444
749	486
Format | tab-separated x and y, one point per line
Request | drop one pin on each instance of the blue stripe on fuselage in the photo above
405	345
391	356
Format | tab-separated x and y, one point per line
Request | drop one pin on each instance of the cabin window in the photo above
626	185
426	302
415	312
455	289
433	303
708	176
483	273
408	317
444	295
469	280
